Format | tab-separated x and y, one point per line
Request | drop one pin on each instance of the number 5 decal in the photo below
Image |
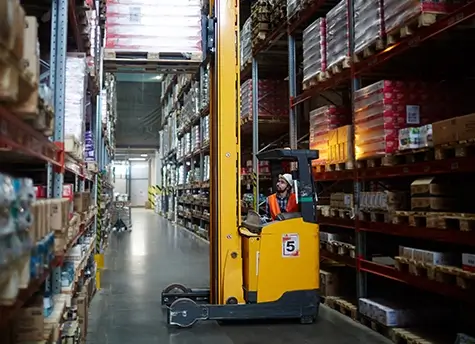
290	245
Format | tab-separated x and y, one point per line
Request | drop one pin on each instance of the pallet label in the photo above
290	245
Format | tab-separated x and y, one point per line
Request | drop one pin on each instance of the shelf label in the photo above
290	245
413	114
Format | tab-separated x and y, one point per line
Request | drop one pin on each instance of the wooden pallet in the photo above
464	222
314	80
340	248
339	166
342	306
376	326
399	158
117	60
410	27
460	149
372	48
438	273
342	213
338	67
375	216
415	336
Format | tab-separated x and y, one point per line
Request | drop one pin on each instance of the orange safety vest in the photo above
274	208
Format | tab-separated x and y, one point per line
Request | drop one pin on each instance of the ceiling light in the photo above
137	159
143	155
158	77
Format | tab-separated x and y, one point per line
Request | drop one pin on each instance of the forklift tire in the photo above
184	313
180	288
308	319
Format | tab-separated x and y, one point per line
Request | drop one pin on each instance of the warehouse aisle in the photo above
141	263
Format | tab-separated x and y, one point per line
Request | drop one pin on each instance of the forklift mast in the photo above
225	248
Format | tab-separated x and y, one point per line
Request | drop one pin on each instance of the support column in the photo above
59	36
255	132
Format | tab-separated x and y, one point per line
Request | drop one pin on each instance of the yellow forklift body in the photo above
283	257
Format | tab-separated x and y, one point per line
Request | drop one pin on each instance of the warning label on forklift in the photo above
290	245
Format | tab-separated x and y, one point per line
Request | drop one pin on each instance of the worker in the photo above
284	200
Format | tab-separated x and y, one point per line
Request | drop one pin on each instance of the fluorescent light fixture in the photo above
159	77
137	159
143	155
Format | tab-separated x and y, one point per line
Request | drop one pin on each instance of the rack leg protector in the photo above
303	305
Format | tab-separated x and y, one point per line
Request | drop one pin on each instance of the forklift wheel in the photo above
184	313
179	288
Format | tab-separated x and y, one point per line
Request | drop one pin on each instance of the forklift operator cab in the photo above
281	257
280	261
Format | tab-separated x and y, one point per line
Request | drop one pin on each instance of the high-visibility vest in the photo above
274	208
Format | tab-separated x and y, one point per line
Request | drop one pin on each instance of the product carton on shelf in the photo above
246	46
314	52
28	325
322	121
162	29
468	262
431	194
273	99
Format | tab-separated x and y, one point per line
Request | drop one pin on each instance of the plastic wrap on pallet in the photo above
314	49
398	13
273	98
205	129
246	45
74	123
293	7
338	47
206	168
190	107
154	26
322	120
368	23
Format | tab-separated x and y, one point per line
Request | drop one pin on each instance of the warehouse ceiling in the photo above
138	110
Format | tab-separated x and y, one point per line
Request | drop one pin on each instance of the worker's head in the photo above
284	182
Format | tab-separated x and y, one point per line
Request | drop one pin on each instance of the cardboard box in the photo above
444	131
433	203
468	262
430	186
465	126
29	323
328	283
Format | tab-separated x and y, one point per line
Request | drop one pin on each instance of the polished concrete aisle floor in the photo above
141	263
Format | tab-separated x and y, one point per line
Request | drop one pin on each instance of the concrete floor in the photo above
140	264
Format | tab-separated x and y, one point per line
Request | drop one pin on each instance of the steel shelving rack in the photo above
22	138
351	80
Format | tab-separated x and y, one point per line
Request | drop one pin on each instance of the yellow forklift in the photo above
257	270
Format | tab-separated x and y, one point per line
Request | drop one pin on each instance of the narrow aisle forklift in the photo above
257	270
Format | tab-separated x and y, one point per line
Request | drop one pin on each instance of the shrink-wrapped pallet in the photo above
338	47
273	98
293	7
398	13
369	28
150	26
314	50
246	43
322	120
75	96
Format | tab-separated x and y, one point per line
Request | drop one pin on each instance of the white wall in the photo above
139	182
120	183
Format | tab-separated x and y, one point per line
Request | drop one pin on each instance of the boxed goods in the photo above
415	138
75	98
145	26
273	98
468	262
204	87
337	38
322	121
369	28
340	145
314	50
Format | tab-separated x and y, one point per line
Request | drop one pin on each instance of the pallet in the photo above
376	326
339	166
342	306
375	216
438	273
372	48
341	248
465	148
338	67
399	158
441	220
414	336
177	62
342	213
314	80
410	27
